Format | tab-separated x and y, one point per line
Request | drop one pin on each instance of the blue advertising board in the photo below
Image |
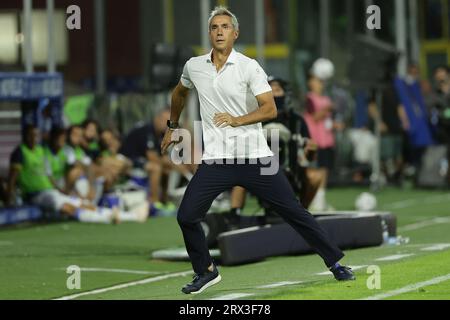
22	86
9	216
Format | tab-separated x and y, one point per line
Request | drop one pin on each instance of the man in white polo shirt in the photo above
235	98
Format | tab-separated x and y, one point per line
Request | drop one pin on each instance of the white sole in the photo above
209	284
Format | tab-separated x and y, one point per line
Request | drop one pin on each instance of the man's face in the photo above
107	137
61	141
441	76
110	141
315	85
222	33
32	137
90	132
413	71
76	136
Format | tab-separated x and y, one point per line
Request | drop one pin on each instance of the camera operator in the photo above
297	151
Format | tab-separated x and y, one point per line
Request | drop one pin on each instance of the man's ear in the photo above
236	34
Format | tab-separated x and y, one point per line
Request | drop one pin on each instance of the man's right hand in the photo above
167	141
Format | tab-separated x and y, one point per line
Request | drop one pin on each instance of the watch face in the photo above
172	125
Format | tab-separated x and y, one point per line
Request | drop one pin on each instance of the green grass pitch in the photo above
34	259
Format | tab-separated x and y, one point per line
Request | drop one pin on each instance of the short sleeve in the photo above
70	155
257	79
185	77
16	158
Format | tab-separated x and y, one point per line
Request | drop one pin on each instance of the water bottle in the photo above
443	168
386	238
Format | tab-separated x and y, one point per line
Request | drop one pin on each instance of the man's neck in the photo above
219	57
30	146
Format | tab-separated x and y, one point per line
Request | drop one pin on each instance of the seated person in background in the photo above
56	160
110	158
91	136
45	119
308	179
28	172
142	147
78	164
86	178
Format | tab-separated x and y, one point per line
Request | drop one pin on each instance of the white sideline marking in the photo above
437	247
423	224
395	257
400	204
233	296
327	273
119	271
126	285
412	202
409	288
279	284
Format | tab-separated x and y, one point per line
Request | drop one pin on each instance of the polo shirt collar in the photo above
232	58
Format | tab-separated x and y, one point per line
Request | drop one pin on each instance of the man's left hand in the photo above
223	120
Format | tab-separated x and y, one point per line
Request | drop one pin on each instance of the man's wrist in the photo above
172	125
237	121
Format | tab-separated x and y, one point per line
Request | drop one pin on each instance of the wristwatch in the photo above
172	125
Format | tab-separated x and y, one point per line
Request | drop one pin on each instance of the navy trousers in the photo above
210	180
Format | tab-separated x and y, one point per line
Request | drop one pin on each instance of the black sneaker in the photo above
343	273
202	282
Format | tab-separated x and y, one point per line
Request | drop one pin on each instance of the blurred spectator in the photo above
440	104
74	150
45	121
442	83
78	163
56	160
416	122
393	122
142	147
90	143
301	153
342	114
110	157
364	144
28	172
441	107
86	178
318	117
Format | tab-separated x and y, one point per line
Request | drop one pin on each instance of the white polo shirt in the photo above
231	90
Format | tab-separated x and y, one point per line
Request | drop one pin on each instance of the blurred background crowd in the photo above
376	102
